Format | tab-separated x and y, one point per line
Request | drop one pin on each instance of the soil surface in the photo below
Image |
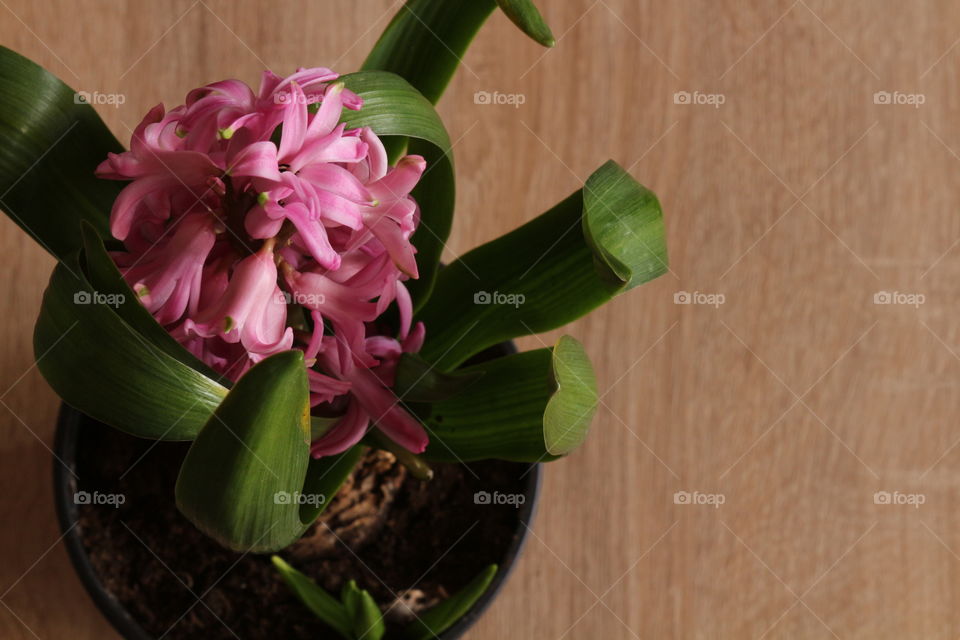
398	537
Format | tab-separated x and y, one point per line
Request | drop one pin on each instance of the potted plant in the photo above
252	292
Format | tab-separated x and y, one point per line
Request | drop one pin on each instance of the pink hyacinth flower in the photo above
252	310
242	204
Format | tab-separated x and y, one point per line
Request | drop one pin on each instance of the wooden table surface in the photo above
793	193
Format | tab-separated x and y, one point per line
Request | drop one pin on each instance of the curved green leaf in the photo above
528	407
441	617
419	381
355	616
599	242
367	621
99	364
426	41
569	412
52	143
525	15
242	479
322	604
623	223
391	107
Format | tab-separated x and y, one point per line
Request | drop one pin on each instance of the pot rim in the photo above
69	423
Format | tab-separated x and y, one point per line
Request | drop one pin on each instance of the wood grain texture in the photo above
797	199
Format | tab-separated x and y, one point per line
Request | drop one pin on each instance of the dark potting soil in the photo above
393	534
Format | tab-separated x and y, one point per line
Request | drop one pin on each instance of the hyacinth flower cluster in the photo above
256	222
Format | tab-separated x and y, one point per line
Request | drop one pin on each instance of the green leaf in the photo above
623	223
569	412
441	617
426	41
419	381
393	108
527	407
242	478
321	603
99	364
601	241
525	15
367	621
320	425
52	143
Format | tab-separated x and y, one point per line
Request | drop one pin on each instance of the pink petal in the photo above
260	224
325	388
331	298
343	435
294	124
308	78
313	235
265	331
400	180
405	306
257	160
376	155
336	180
397	245
269	81
326	118
131	198
386	413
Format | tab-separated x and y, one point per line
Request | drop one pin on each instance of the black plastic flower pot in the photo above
71	427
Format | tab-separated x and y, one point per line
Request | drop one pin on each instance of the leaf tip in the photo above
569	412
